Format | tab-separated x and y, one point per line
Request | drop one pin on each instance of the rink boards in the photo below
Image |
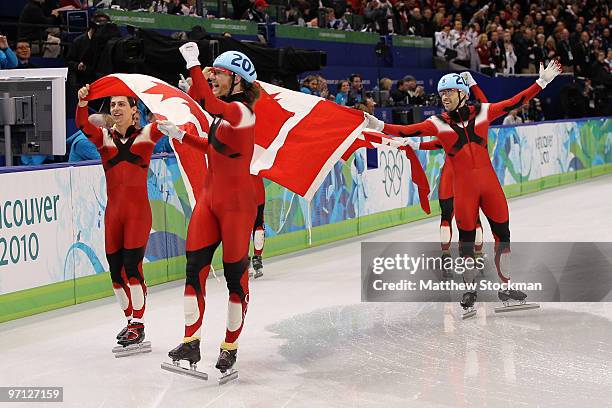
52	219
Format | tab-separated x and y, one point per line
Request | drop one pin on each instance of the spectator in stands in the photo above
310	85
23	50
400	94
511	57
174	7
600	72
443	43
31	16
539	52
564	48
80	56
512	118
582	56
483	52
608	60
462	45
416	93
429	27
8	59
257	12
322	89
337	22
551	49
356	93
376	14
343	90
497	52
523	46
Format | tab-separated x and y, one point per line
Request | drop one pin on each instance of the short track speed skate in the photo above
514	300
225	364
256	267
189	351
132	341
467	303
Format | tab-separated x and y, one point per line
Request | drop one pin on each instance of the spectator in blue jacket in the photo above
344	87
8	59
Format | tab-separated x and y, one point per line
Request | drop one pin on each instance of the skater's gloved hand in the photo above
190	54
170	129
184	84
374	123
468	78
549	73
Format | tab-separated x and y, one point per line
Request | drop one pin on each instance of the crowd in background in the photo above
499	37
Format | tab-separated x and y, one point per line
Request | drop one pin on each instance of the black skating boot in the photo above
134	334
227	359
123	331
510	294
467	303
189	351
257	263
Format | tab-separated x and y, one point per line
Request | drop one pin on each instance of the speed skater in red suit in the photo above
445	184
462	131
126	152
227	206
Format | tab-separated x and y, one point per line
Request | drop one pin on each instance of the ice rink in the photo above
308	341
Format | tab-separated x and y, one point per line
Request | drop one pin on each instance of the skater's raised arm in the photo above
92	132
430	145
474	88
235	113
546	76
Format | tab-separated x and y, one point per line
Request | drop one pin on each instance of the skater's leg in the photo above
445	198
235	231
203	238
495	208
479	239
259	231
136	235
113	240
446	219
259	238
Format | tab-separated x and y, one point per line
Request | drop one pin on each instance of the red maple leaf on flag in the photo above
270	118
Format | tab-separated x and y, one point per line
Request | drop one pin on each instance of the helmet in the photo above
453	81
238	63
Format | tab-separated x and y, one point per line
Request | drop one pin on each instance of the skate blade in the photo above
514	308
228	376
120	351
469	314
177	369
258	274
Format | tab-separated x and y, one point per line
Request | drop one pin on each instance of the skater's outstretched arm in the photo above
92	132
236	113
171	130
546	76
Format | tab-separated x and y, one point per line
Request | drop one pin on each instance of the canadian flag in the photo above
298	137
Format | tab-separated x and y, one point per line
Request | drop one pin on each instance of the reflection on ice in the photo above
395	352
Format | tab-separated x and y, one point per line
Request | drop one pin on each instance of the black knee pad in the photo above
259	219
196	260
466	242
501	230
131	259
447	206
233	272
115	263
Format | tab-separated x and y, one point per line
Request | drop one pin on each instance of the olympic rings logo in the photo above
393	169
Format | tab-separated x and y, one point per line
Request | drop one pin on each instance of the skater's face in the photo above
450	99
122	111
221	80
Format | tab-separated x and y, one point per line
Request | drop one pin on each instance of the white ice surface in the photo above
309	342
